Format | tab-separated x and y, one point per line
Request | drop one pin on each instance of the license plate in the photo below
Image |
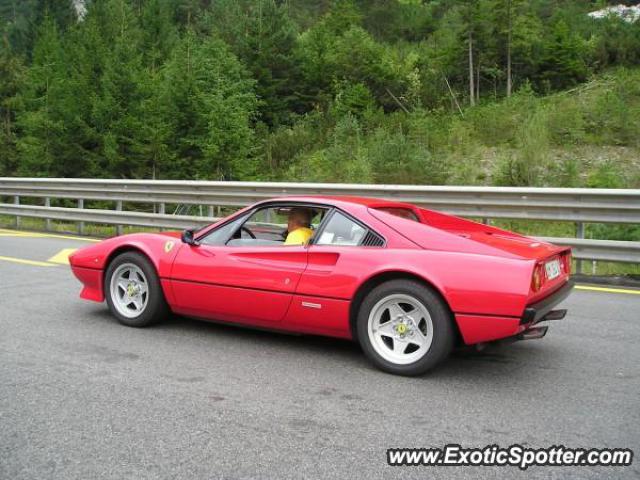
553	269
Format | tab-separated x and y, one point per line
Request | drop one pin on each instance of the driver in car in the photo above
298	227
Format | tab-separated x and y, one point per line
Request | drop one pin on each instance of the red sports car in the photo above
405	282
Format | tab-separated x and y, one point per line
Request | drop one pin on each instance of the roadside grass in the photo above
90	229
592	267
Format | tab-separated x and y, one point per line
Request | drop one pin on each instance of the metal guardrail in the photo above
602	250
576	205
570	204
110	217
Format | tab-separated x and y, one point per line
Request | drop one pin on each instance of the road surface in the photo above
84	397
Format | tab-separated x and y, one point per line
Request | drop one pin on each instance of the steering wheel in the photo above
249	232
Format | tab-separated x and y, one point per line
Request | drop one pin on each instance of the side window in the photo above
284	225
265	225
340	230
220	235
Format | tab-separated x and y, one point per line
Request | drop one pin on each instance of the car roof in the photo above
344	201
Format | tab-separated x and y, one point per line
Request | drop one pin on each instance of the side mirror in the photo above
187	237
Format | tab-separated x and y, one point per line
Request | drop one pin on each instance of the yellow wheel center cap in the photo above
131	290
401	328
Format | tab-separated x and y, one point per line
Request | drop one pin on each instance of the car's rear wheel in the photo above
404	327
134	294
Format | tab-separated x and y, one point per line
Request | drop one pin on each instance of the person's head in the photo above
298	218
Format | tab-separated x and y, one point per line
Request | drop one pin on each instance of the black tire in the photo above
156	308
443	329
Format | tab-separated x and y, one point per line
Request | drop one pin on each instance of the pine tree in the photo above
519	33
159	38
12	73
85	50
117	107
159	32
475	15
22	17
563	62
42	131
210	104
263	36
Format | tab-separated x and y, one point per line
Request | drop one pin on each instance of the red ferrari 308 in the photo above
407	283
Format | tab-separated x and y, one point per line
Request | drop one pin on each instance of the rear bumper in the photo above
486	328
543	310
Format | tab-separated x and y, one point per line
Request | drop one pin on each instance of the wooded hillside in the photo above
505	92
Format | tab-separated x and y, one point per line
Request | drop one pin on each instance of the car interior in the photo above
268	226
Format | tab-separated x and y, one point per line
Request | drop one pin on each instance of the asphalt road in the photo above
83	397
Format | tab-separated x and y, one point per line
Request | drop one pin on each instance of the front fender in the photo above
161	250
88	264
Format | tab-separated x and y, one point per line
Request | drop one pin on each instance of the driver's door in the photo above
240	278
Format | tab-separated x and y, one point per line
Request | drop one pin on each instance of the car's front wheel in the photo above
133	291
404	327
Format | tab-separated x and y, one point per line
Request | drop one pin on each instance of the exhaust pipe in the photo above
554	315
533	333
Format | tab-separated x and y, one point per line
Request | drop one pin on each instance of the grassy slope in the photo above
586	137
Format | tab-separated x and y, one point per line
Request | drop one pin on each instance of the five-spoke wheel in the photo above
404	327
134	294
400	328
129	290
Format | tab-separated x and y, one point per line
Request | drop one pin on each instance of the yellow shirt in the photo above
300	236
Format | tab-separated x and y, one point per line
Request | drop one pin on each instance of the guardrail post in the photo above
16	201
579	234
81	224
119	208
47	221
161	211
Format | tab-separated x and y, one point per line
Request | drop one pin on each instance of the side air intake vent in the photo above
372	240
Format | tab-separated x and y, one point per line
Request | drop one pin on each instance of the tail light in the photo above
538	277
566	263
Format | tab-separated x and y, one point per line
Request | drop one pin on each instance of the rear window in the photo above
400	212
341	230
